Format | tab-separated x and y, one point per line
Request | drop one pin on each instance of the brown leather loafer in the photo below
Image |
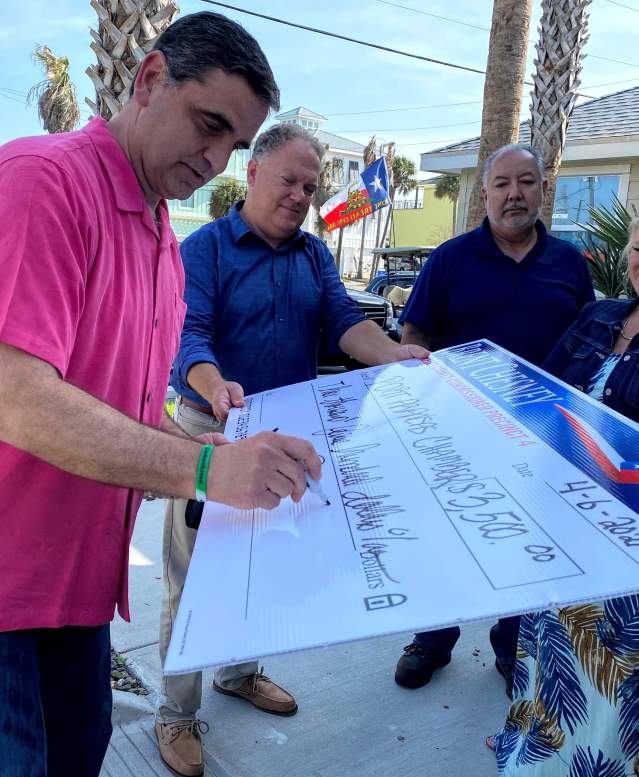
262	692
181	746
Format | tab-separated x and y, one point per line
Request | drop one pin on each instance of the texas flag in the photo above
368	193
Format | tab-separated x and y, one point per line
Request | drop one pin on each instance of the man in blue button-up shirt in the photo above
258	291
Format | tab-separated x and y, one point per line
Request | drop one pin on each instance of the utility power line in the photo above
409	108
434	15
623	5
487	29
346	38
356	40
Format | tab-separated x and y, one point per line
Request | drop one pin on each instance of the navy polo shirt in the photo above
469	289
256	311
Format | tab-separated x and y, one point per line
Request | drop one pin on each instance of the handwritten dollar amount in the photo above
495	513
510	547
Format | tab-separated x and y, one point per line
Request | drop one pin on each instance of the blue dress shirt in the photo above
254	311
469	289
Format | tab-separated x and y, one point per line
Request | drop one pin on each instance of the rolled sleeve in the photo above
45	250
338	311
199	255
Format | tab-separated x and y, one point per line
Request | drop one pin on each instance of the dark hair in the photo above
203	41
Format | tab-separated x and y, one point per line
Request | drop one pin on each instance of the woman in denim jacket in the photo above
575	708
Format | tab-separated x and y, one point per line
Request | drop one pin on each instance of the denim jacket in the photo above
584	346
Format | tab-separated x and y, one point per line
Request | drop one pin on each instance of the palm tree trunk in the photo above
127	30
563	31
503	88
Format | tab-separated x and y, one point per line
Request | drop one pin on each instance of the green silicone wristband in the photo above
202	472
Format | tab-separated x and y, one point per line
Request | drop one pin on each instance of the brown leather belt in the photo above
200	408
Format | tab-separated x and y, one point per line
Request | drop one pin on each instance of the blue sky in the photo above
334	77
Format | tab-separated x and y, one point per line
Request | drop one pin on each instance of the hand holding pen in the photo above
314	486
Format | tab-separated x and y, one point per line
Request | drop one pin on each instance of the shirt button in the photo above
278	284
281	355
608	392
626	357
148	397
280	319
579	388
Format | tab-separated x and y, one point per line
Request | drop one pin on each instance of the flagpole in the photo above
388	218
338	251
360	263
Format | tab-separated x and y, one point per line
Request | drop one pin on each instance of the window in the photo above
188	204
574	195
353	171
337	171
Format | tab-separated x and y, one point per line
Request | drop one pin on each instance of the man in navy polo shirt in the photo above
258	291
512	283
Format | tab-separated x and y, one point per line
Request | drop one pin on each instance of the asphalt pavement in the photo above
353	720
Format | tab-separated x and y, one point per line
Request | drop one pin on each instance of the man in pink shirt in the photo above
90	316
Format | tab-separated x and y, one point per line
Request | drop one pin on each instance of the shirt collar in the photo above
487	245
126	188
239	228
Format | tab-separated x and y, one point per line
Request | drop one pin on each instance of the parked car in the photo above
376	309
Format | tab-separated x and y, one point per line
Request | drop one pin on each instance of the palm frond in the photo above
56	97
529	727
628	700
506	742
520	676
605	238
543	737
559	687
528	631
605	670
403	172
535	746
447	186
620	630
584	764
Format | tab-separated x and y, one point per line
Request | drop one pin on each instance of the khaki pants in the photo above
182	694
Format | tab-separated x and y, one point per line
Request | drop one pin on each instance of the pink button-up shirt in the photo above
89	284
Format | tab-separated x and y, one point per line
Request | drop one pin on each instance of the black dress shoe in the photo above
507	670
415	668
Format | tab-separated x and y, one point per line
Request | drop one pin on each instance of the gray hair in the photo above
278	135
200	42
539	160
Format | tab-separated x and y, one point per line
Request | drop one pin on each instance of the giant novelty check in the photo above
472	486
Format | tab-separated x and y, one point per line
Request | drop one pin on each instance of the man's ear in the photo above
153	71
544	187
251	170
484	194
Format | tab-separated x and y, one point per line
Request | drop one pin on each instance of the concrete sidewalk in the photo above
353	721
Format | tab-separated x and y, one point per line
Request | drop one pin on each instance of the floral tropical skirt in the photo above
576	694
